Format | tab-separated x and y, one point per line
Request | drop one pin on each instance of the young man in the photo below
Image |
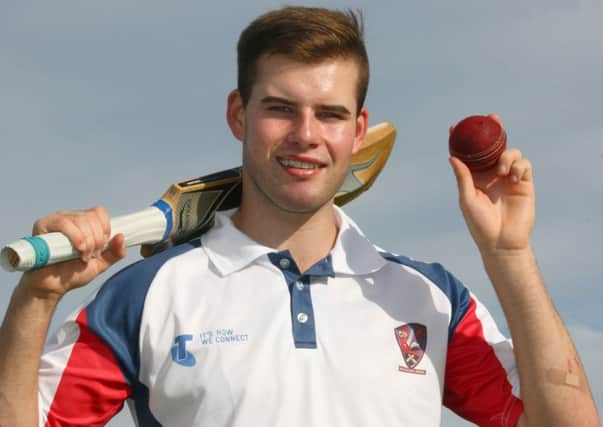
284	313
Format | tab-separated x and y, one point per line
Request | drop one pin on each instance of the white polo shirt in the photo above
227	332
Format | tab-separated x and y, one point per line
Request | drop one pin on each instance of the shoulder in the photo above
115	312
433	271
137	277
457	294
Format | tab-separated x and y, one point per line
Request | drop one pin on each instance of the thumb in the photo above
464	179
115	251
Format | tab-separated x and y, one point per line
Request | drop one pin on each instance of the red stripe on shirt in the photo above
92	388
476	384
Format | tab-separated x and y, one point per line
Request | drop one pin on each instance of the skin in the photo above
296	112
291	116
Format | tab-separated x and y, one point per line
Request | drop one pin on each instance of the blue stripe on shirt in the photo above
115	315
457	293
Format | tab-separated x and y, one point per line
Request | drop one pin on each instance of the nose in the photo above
305	129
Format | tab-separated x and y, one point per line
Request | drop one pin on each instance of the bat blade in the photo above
368	162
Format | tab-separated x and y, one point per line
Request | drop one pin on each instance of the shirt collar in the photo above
231	250
353	253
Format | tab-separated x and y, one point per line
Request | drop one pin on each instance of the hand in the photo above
498	204
89	233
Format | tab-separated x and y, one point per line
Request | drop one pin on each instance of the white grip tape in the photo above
142	227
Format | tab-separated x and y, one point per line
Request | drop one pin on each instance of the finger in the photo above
521	170
464	179
48	223
496	118
103	215
451	128
63	223
99	223
96	265
115	251
87	228
84	272
507	158
98	234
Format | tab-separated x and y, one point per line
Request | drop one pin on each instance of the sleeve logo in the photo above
412	340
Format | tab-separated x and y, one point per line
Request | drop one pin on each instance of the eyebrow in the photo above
276	99
325	107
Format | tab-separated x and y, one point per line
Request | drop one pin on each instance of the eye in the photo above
329	115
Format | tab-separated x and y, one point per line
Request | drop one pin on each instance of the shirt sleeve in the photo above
92	366
80	380
481	381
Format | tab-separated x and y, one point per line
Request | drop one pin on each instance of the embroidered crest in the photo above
412	339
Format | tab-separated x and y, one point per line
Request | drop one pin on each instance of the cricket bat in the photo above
187	209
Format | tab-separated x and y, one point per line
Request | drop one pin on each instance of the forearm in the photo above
22	336
554	388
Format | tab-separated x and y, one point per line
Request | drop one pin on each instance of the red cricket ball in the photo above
478	141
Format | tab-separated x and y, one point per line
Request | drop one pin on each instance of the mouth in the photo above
301	168
299	164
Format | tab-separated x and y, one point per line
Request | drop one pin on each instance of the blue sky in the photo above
109	102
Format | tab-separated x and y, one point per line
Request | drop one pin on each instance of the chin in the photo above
302	206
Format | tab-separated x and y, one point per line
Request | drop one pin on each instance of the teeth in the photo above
298	164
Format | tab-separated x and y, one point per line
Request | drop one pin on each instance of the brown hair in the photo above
304	34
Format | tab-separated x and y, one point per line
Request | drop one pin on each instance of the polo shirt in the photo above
223	331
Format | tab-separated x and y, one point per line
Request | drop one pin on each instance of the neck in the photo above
308	236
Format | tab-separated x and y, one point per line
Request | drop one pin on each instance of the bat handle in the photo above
150	225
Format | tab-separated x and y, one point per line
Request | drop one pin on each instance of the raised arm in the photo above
23	331
499	209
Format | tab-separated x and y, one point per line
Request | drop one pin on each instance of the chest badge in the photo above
412	339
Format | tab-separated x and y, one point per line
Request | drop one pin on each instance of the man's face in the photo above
299	131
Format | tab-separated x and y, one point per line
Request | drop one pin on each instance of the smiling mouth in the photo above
298	164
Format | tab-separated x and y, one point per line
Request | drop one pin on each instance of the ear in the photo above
361	129
235	115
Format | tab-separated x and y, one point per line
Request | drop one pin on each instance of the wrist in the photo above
27	291
510	267
514	274
508	256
